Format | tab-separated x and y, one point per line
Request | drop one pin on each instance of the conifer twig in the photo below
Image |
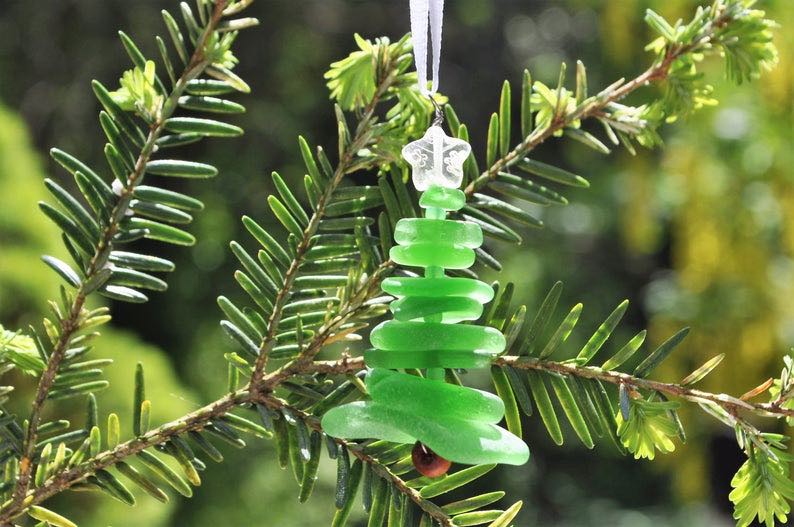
363	132
593	107
347	365
70	324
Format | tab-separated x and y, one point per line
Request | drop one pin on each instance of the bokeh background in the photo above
699	233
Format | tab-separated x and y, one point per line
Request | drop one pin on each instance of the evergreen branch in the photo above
70	325
346	365
594	107
349	365
263	394
67	478
346	162
727	402
196	421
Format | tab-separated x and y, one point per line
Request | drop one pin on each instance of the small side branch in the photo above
362	135
348	365
596	105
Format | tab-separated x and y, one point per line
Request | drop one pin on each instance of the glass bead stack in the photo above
456	422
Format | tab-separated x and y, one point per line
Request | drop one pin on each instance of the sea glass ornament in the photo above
446	421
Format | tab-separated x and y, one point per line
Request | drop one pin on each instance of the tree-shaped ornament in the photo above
447	422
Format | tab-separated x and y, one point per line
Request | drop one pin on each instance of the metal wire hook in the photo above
438	119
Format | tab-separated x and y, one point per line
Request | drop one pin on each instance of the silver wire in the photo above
438	119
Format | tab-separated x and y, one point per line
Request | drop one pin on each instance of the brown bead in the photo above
427	462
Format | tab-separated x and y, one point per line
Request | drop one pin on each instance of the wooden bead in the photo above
427	462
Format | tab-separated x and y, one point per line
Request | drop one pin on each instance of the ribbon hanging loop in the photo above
426	13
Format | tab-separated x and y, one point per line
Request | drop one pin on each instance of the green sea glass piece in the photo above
456	422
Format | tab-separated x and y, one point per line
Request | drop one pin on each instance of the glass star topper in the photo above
436	159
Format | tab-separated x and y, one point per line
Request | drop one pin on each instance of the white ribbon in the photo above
424	12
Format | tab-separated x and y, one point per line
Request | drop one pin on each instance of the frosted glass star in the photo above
436	159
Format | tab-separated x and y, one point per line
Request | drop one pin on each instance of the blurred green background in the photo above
700	233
